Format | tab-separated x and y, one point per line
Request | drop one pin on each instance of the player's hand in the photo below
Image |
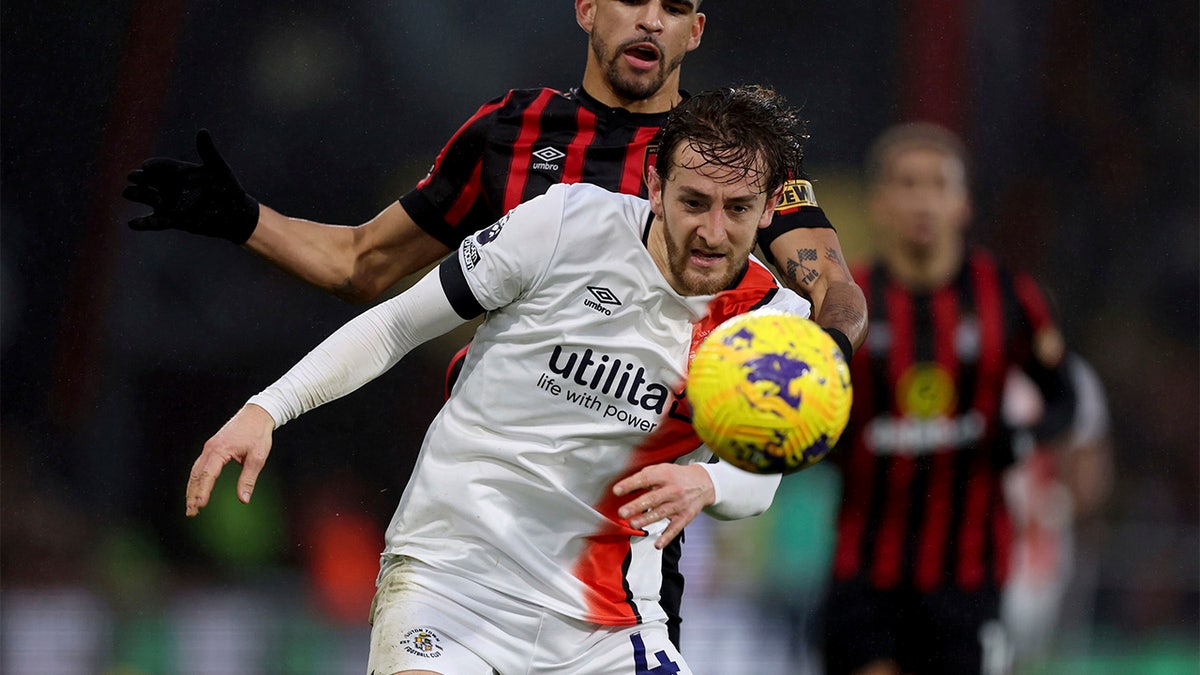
200	198
245	439
672	491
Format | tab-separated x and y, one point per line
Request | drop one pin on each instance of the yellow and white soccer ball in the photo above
770	392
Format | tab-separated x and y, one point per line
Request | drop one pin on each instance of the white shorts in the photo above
482	632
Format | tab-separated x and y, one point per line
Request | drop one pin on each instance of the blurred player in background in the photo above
514	148
1055	493
513	549
923	532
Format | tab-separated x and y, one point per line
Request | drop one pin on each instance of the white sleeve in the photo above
1091	422
503	262
361	350
787	300
739	493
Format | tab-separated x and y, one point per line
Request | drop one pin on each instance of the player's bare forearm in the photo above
355	263
843	307
811	263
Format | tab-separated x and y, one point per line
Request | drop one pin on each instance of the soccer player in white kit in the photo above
525	541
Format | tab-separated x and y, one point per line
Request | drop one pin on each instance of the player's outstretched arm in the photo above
355	263
245	439
358	263
812	264
358	352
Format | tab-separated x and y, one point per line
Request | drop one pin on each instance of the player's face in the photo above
710	216
638	45
921	201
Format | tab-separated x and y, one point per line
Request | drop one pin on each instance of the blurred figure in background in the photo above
924	534
1055	492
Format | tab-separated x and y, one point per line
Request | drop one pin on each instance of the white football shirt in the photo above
574	381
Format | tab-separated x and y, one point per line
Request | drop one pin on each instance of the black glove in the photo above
200	198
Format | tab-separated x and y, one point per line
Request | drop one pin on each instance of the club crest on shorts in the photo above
422	642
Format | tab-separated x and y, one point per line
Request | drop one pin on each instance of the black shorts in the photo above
947	631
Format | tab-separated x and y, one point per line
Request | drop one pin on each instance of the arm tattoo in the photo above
801	273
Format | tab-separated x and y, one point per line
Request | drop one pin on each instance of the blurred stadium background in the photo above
122	352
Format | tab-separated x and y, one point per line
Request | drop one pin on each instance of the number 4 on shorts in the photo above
665	665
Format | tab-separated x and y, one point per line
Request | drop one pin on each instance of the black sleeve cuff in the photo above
458	292
842	341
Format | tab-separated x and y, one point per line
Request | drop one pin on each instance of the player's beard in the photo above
693	281
628	86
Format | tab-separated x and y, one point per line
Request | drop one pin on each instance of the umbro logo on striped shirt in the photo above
548	158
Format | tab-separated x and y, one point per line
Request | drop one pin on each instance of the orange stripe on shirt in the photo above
602	564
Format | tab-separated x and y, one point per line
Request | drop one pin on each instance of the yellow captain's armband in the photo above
796	193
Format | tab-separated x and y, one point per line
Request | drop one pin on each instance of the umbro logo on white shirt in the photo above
601	296
548	158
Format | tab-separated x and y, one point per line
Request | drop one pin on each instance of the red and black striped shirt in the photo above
516	146
923	454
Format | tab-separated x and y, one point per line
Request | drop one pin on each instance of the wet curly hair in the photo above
749	129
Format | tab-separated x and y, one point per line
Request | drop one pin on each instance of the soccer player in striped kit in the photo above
514	148
513	548
923	531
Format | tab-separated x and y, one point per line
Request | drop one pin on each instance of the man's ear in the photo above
654	190
769	211
585	14
697	31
